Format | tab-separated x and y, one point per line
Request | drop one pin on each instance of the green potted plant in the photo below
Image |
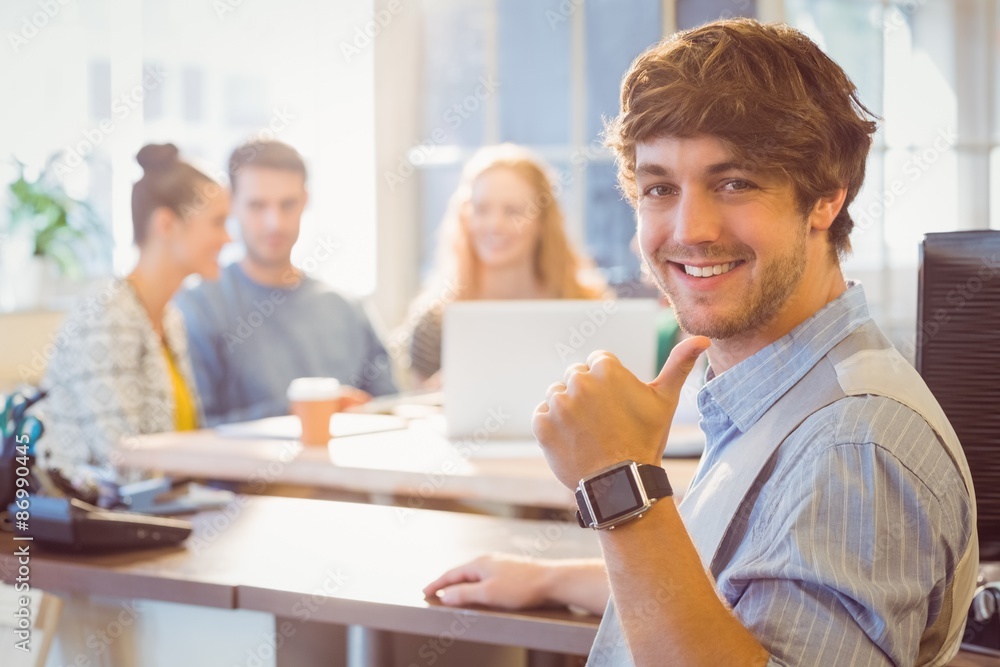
56	231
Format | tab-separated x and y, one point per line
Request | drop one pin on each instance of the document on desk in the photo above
392	404
342	424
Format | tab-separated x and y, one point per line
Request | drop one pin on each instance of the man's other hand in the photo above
352	396
497	580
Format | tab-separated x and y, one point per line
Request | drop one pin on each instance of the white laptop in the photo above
499	357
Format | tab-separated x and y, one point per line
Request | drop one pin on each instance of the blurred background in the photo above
386	99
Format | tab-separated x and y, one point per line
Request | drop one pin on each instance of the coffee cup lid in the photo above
313	389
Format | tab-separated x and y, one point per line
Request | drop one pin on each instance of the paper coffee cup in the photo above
314	400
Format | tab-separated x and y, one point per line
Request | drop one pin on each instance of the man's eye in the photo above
657	191
737	185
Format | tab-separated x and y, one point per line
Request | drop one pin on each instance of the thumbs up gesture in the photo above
601	414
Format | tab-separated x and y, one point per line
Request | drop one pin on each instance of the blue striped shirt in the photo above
846	556
846	553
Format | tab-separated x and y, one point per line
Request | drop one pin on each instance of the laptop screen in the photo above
499	357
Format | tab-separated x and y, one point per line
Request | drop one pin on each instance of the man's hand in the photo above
352	396
496	580
602	414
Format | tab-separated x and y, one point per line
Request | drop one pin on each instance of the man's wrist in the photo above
547	584
620	493
581	583
651	521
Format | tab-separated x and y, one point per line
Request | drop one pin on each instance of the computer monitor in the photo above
958	356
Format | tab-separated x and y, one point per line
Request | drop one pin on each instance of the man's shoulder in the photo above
874	426
210	303
319	294
201	291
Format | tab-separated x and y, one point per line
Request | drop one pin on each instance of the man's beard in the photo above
775	282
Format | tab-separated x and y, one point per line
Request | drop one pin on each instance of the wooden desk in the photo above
378	578
344	563
415	462
969	659
327	562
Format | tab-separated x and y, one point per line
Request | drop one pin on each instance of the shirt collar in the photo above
749	389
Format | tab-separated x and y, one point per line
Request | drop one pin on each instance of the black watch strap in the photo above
654	481
583	516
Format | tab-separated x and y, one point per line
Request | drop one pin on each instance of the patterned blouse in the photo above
108	380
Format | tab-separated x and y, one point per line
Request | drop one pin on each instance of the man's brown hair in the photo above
777	102
265	155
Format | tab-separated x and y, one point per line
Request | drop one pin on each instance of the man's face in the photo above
268	204
728	246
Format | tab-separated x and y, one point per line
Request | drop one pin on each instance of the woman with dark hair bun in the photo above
124	369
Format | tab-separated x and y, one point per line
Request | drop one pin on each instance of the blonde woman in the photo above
503	237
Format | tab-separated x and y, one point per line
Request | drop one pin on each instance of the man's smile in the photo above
707	270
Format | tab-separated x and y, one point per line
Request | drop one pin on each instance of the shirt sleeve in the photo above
848	562
425	343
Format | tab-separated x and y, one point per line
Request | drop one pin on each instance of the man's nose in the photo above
698	219
272	220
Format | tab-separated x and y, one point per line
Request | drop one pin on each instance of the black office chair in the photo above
958	355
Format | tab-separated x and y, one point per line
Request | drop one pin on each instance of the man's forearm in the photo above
666	601
579	583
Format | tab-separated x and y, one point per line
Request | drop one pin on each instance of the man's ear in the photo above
826	209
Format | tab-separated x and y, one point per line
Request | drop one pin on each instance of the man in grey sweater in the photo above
264	322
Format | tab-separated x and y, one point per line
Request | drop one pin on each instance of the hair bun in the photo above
157	156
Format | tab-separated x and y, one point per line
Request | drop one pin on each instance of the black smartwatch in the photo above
619	493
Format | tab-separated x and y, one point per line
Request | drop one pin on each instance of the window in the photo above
99	79
558	65
925	67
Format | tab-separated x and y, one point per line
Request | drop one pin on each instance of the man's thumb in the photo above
679	364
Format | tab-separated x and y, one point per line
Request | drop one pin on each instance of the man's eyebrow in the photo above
658	170
651	169
721	167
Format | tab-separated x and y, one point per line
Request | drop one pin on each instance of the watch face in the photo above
613	494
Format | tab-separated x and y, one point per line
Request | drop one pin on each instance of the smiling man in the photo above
265	322
832	517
